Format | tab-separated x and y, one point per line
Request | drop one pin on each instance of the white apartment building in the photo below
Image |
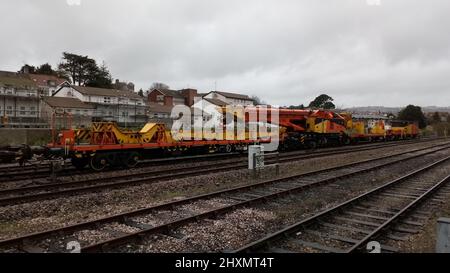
19	101
230	98
110	104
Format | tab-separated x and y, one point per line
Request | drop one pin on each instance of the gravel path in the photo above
35	216
244	225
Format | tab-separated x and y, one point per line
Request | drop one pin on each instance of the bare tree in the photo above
159	85
257	100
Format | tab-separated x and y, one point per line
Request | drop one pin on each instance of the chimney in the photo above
130	86
189	95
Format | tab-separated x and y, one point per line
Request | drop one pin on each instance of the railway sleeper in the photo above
317	246
350	240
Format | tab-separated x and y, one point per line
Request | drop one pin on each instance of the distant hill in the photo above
394	110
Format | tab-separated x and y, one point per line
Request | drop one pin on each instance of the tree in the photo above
141	92
27	69
323	101
301	106
84	71
45	69
257	100
159	86
413	113
436	117
98	76
63	75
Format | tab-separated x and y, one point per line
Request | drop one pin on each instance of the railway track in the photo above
42	170
379	214
46	191
231	199
5	178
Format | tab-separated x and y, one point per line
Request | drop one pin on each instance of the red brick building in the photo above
168	97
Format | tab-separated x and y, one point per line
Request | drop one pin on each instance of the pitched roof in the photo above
94	91
44	80
16	80
216	102
158	108
233	95
67	102
171	93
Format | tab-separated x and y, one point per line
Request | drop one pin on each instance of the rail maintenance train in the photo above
104	144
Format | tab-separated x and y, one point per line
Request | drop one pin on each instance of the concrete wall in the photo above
24	136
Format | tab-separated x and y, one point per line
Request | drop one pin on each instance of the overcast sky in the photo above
286	52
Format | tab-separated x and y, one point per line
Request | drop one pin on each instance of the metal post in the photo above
254	166
443	236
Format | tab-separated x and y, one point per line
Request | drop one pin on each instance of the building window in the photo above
69	110
22	111
78	111
110	113
106	99
160	98
9	110
32	110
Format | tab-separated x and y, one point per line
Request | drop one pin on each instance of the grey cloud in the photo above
286	52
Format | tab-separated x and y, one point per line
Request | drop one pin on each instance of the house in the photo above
124	86
210	102
110	104
158	111
172	97
46	83
80	112
19	101
230	98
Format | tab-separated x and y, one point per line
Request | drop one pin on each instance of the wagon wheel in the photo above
228	148
98	162
312	144
347	140
132	160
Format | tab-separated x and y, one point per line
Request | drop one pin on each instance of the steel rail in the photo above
39	171
287	231
123	216
143	180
